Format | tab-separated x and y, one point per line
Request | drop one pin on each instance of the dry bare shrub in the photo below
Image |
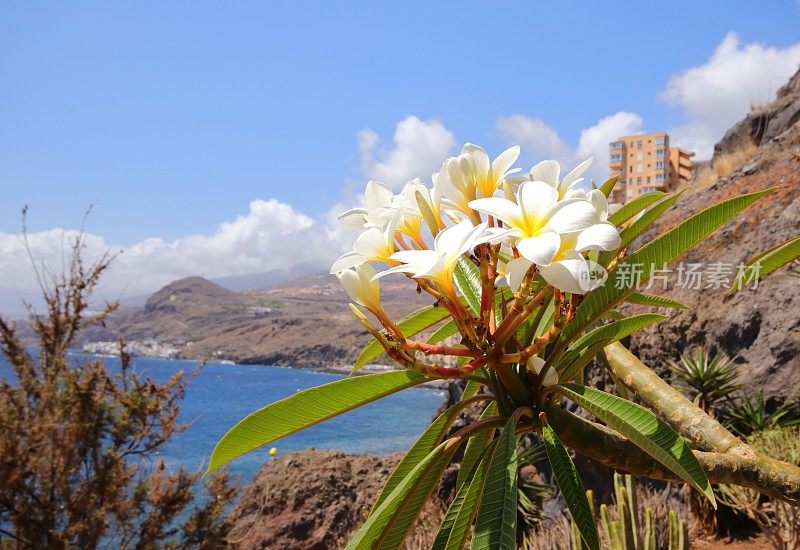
723	165
78	441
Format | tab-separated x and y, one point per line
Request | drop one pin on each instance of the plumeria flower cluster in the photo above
535	234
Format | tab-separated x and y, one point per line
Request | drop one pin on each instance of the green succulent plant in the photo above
711	379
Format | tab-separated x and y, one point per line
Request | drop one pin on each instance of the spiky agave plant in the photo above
712	379
529	283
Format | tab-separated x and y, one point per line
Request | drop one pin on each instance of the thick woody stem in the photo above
685	417
771	477
538	345
517	314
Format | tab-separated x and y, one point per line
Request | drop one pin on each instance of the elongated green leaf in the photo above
622	282
645	430
640	225
306	408
426	442
410	325
387	525
573	371
767	262
496	524
630	209
571	487
611	332
456	522
468	282
445	331
655	301
475	446
608	186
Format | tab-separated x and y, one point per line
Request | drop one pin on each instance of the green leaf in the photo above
645	430
630	209
651	256
571	487
455	526
767	262
426	442
496	525
475	445
640	225
611	332
306	408
655	301
468	282
387	526
608	186
445	331
410	325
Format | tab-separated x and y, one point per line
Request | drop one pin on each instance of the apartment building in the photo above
646	163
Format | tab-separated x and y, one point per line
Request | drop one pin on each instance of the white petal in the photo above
516	270
417	258
547	171
536	363
453	237
600	236
504	161
479	157
502	209
568	216
370	243
570	275
572	178
600	202
352	285
540	249
536	198
551	378
351	259
355	217
377	195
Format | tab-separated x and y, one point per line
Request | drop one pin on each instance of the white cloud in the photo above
540	141
418	149
272	235
719	92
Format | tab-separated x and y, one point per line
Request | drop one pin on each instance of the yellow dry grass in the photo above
722	166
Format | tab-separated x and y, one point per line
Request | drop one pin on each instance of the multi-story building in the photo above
646	163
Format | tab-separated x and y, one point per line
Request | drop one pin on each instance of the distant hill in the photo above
302	322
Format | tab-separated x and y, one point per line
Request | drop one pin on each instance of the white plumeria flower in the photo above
549	171
373	245
570	271
362	287
473	175
439	264
377	199
536	363
596	197
538	219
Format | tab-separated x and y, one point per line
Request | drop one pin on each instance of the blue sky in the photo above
171	117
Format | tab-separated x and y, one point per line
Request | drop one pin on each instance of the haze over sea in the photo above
220	395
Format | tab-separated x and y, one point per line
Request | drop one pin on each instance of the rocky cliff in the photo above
761	326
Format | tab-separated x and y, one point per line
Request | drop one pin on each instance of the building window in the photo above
638	180
630	169
659	177
616	145
639	144
639	156
660	165
639	169
648	179
616	158
659	152
661	141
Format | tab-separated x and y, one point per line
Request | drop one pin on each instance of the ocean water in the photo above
221	395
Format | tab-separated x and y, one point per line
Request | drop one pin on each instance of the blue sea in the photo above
222	394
